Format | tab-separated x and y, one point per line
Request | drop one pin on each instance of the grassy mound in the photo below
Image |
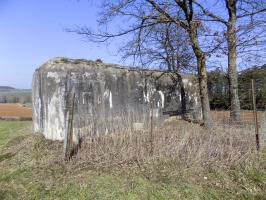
32	167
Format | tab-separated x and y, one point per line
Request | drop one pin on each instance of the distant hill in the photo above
6	88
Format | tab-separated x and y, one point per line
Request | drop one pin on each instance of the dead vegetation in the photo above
189	143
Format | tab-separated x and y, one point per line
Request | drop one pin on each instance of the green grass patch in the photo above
6	156
13	129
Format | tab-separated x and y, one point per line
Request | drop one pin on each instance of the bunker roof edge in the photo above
50	65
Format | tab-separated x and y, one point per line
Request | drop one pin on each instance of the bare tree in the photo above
190	24
141	15
242	31
166	47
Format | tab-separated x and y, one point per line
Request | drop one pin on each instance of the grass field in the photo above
9	110
32	168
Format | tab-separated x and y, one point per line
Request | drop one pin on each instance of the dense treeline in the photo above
15	96
219	89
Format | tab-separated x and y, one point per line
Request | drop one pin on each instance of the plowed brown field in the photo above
14	110
245	116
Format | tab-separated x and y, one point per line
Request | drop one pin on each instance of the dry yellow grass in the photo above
179	140
14	110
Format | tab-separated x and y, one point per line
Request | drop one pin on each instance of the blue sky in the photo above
32	32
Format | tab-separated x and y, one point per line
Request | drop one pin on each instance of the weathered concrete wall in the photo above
106	96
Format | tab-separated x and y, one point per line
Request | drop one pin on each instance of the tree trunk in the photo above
181	84
202	75
183	95
232	68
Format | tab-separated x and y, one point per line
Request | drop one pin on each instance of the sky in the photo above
33	31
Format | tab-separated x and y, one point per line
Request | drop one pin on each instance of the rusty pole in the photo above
151	130
255	116
69	136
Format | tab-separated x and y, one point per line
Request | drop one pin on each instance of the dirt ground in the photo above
14	110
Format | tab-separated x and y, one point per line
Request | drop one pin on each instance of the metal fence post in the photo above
255	116
68	143
262	130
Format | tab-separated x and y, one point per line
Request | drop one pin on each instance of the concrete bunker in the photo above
107	97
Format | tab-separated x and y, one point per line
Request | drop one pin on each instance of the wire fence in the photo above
138	138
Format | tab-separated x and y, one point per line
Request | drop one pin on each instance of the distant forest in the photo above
12	95
219	94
